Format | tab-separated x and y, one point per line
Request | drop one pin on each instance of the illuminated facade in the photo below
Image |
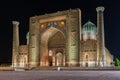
59	39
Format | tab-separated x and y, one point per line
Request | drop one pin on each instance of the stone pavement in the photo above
59	75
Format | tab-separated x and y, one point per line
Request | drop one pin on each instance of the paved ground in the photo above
59	75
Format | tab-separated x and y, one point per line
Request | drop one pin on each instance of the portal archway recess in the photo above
51	39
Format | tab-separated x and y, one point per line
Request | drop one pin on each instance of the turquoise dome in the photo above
89	26
89	30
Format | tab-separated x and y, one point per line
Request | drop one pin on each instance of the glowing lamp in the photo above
43	26
61	23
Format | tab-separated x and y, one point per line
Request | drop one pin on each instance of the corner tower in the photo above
101	55
15	43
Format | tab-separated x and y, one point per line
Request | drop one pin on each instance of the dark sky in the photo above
21	10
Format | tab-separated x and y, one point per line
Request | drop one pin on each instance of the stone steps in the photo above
80	68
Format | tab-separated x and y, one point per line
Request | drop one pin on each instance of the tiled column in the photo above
100	37
15	50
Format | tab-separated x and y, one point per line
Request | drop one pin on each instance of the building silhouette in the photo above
59	39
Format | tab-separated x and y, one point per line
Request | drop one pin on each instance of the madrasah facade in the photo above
60	39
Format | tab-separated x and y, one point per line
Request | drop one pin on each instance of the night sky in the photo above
21	10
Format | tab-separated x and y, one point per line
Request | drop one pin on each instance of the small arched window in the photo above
86	57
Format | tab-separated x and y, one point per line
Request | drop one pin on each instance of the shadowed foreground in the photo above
59	75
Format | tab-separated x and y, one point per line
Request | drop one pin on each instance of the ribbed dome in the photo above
89	26
89	30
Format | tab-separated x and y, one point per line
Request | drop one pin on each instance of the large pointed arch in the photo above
45	38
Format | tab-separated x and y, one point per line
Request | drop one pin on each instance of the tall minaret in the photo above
15	43
100	37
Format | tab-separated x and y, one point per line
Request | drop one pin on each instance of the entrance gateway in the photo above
57	39
54	39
